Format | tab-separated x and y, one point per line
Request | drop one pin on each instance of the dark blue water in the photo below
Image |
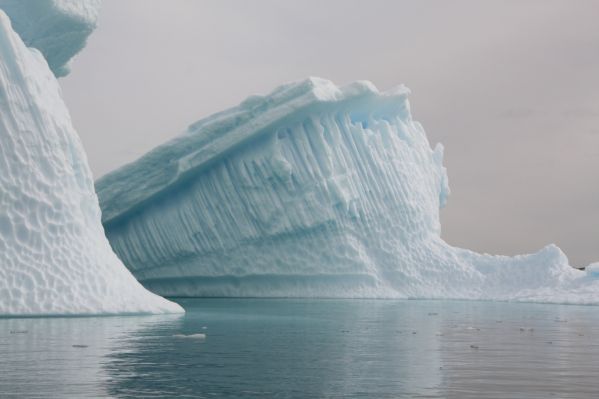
309	349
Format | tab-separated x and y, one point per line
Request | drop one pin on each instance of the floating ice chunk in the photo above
198	336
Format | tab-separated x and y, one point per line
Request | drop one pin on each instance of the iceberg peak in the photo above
57	28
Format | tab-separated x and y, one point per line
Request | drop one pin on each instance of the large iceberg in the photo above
57	28
313	191
54	256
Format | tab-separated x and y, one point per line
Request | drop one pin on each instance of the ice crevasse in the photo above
54	256
311	191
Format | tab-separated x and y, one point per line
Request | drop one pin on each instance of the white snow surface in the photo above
311	191
54	256
58	28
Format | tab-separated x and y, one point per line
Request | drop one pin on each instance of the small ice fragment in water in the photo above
191	336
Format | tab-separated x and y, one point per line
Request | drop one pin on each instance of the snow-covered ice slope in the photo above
54	257
58	28
315	191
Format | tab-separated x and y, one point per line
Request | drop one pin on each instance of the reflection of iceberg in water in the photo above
289	348
387	346
308	349
64	357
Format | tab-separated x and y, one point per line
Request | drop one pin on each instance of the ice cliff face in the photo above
58	28
54	257
313	190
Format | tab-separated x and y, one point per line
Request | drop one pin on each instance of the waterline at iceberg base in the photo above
311	191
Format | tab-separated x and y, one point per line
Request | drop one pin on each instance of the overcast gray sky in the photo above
511	88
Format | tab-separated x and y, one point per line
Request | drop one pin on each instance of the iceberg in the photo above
310	191
54	256
57	28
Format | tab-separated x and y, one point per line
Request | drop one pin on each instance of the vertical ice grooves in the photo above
322	172
313	190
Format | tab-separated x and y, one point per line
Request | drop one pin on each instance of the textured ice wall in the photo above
58	28
54	257
313	190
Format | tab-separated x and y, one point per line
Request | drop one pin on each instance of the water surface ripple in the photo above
267	348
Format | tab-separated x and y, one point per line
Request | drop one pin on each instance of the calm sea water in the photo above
309	349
